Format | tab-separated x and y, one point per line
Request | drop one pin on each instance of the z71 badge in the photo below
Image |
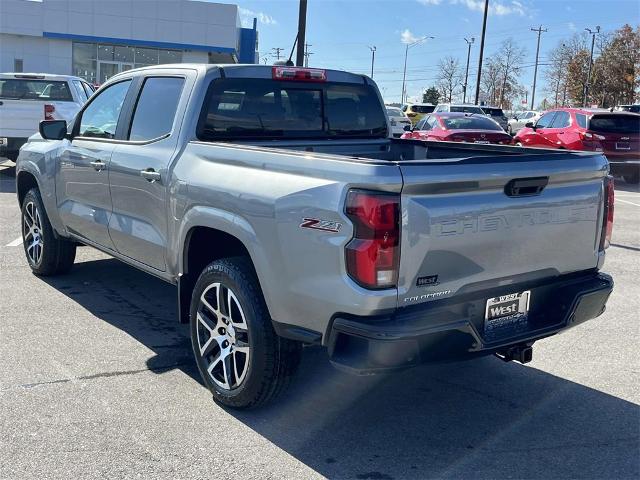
318	224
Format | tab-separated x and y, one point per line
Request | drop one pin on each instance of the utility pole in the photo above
484	31
593	34
535	70
302	30
466	74
276	52
373	57
307	53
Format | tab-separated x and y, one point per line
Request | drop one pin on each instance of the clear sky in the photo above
341	31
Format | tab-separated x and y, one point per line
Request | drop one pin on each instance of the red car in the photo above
459	127
617	134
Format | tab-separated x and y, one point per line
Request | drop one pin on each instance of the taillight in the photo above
373	253
455	139
299	74
607	217
49	110
590	136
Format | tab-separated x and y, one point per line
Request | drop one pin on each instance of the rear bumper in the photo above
453	329
623	167
12	146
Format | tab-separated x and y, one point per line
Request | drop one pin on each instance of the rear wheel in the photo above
46	253
241	359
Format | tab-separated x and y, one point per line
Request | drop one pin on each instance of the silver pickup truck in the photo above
275	201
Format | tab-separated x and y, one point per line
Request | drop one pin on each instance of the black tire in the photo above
632	178
53	255
272	361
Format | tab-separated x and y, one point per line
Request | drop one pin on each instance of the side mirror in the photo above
515	118
530	125
407	128
53	129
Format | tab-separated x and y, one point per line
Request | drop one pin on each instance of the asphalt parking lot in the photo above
97	380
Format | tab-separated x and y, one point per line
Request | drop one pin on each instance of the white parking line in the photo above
15	242
626	201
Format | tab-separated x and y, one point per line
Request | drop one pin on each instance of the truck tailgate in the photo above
465	229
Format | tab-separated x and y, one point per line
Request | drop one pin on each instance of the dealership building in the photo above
95	39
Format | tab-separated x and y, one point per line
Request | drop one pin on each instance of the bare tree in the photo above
449	77
490	80
509	57
556	73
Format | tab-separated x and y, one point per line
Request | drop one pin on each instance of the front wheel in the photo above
241	359
46	253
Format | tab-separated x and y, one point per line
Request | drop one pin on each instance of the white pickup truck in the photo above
27	98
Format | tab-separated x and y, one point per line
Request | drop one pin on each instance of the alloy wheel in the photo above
223	336
32	232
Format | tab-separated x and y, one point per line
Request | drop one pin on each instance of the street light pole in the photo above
404	72
535	71
484	31
466	74
373	57
593	41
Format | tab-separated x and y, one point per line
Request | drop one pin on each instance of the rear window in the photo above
466	109
23	89
271	109
615	123
494	112
394	112
470	123
422	108
582	120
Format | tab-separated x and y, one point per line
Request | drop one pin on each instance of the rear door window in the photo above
156	108
82	94
561	120
28	89
274	109
612	123
581	119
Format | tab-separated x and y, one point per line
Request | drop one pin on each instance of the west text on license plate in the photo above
514	305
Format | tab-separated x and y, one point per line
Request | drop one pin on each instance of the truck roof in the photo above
236	70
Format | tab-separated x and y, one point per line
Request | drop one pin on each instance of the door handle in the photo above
98	165
150	175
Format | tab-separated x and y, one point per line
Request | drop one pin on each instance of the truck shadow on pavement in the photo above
480	419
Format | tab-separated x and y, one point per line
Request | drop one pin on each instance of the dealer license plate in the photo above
514	306
623	146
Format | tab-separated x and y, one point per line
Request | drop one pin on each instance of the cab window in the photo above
561	120
100	118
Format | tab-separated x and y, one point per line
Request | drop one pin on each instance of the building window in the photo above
96	63
18	65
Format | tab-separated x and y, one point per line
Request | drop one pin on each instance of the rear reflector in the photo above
49	110
373	253
607	220
299	74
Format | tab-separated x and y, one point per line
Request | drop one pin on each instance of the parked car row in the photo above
27	98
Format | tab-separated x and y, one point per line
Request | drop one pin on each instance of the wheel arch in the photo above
25	181
207	241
